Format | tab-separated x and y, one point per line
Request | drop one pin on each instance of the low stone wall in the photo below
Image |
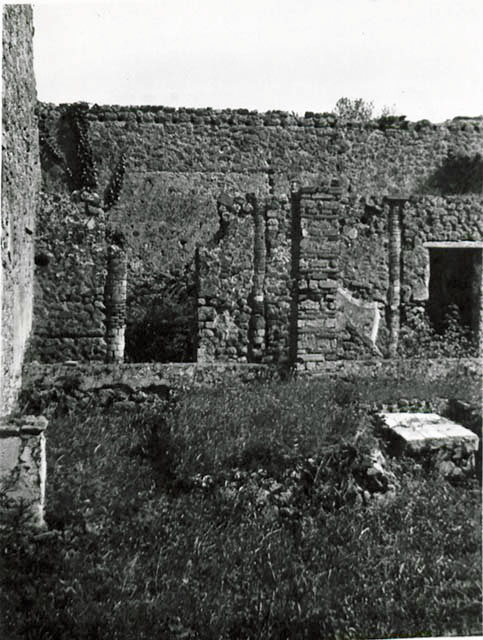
434	378
126	386
80	385
399	369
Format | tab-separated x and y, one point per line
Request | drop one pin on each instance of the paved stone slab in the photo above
422	431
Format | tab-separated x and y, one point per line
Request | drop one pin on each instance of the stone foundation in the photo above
68	387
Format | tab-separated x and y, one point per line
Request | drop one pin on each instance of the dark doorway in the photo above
455	286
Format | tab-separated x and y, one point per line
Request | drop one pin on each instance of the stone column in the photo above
478	309
394	294
256	331
23	468
115	303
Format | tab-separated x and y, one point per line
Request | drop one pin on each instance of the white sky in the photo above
423	56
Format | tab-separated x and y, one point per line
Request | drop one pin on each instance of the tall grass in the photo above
144	550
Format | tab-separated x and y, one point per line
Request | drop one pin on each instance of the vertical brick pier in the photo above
318	276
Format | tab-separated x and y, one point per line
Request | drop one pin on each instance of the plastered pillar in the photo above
23	467
115	303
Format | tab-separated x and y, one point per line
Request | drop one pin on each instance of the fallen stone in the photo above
447	468
419	432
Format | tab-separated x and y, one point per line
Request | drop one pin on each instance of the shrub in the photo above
423	341
353	110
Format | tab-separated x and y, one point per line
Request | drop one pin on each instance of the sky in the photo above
420	58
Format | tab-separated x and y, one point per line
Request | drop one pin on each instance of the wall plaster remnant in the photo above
364	317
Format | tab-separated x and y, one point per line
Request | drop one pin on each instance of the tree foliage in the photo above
354	110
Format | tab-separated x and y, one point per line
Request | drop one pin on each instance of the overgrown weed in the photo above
251	550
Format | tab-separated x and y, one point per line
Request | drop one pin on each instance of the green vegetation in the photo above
455	340
237	513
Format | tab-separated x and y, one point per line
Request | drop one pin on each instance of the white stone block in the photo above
417	432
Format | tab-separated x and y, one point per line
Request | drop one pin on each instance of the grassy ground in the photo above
237	514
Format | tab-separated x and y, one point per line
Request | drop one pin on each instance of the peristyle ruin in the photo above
227	238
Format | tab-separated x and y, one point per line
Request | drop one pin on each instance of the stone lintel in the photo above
311	357
397	198
462	244
322	196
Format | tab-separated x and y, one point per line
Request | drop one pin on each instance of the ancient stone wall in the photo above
435	219
244	283
70	272
326	287
448	224
68	387
235	145
20	185
280	243
178	161
22	441
225	275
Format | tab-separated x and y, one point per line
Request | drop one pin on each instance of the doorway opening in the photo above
455	287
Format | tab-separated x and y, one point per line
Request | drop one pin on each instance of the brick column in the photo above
394	294
318	276
115	303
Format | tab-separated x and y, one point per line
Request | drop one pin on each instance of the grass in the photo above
236	514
